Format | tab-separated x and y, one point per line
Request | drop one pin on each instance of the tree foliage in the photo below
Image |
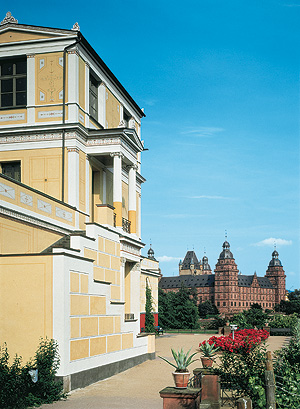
149	319
294	295
289	307
17	390
207	308
177	310
255	317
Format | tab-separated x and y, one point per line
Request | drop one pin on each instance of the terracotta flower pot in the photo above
207	362
181	379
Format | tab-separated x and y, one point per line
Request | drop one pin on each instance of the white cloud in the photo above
271	241
202	131
167	259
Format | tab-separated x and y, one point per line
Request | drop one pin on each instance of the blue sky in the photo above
219	81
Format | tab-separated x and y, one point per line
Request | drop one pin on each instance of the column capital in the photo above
132	166
118	154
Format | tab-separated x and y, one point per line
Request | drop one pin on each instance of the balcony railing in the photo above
115	219
126	225
129	317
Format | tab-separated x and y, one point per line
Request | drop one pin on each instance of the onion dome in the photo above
206	266
275	260
151	253
226	253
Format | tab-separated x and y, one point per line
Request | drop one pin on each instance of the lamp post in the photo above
233	328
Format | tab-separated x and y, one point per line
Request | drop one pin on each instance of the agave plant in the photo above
182	360
208	351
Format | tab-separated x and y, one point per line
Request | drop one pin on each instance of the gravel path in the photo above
138	387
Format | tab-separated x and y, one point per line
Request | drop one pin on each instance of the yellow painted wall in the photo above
109	188
124	200
82	175
112	110
127	287
17	237
40	168
14	112
49	78
26	308
153	284
138	210
16	36
81	83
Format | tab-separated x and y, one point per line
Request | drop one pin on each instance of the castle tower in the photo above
226	280
190	264
205	266
275	274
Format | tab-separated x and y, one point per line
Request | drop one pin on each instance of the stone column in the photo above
117	187
30	89
132	198
73	177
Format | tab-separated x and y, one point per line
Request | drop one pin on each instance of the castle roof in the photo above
208	280
203	280
190	258
275	262
226	253
246	281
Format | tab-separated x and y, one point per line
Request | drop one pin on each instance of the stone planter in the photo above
181	379
207	362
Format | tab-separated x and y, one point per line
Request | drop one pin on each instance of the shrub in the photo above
243	369
287	372
244	340
284	321
17	388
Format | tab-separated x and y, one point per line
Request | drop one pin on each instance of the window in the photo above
218	303
94	97
13	83
12	170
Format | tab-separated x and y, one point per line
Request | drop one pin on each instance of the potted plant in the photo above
208	352
181	374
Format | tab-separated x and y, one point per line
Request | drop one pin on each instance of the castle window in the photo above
93	95
224	303
13	83
11	169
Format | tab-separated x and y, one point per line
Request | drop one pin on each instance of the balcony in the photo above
104	214
126	225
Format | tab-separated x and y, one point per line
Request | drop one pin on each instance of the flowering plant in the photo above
244	340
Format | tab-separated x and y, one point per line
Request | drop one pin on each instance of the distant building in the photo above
230	291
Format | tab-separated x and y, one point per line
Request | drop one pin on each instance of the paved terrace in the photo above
138	387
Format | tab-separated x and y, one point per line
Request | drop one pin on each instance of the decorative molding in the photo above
9	19
130	249
32	220
123	261
12	117
122	124
135	167
61	61
81	117
49	114
76	27
104	141
44	206
26	199
63	214
118	154
30	138
73	150
42	63
30	55
7	191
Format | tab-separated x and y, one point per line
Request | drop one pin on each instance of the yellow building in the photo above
70	200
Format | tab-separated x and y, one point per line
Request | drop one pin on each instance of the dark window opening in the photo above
93	94
13	83
12	170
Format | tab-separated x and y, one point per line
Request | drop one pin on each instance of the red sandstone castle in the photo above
230	291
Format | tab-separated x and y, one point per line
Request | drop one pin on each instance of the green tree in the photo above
176	310
255	317
294	295
289	307
149	319
207	308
